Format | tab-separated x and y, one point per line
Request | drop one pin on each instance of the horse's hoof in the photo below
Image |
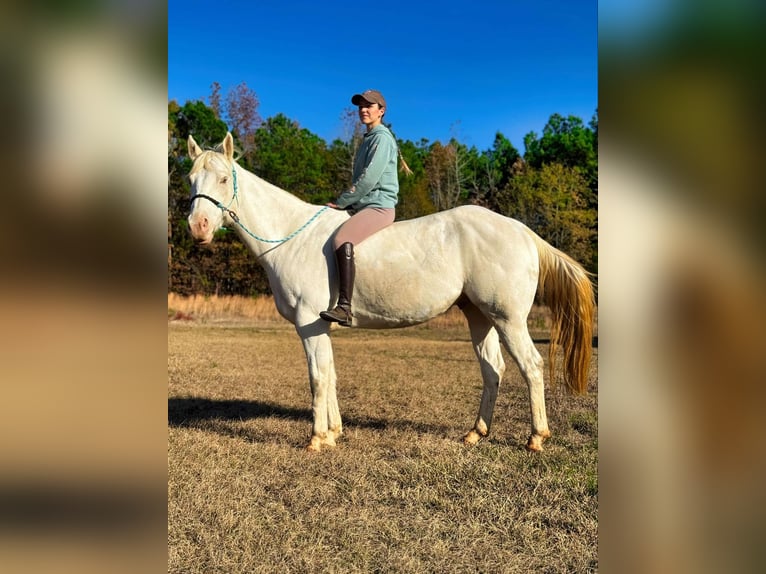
472	438
329	441
335	433
535	442
315	445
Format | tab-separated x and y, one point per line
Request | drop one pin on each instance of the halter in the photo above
235	217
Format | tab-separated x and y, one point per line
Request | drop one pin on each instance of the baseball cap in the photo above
372	96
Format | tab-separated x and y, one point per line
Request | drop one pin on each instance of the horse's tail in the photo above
565	287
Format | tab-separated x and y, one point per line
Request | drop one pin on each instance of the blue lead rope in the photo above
293	234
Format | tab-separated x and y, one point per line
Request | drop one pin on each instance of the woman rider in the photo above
371	200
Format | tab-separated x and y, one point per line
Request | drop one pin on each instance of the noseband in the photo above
218	204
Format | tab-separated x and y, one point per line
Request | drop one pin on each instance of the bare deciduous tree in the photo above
446	174
352	134
215	98
242	111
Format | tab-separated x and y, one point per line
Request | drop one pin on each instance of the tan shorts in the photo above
363	224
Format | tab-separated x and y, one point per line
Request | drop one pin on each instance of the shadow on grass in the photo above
196	412
188	411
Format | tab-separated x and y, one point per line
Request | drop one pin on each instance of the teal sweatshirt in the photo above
375	179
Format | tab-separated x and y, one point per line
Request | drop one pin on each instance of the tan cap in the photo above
372	96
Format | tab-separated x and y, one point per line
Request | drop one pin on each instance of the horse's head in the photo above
212	188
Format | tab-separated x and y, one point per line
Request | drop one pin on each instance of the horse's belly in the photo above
400	304
392	318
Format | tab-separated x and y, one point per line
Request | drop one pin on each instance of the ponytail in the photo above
402	164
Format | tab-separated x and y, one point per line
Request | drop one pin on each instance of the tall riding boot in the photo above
344	256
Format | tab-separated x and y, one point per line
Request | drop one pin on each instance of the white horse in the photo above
489	265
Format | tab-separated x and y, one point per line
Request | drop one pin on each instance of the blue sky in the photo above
449	68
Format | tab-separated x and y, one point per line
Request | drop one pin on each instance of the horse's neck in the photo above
267	211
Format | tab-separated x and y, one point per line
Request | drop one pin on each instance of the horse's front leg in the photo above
327	425
334	423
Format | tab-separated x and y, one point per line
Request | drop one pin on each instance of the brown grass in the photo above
208	308
400	493
235	308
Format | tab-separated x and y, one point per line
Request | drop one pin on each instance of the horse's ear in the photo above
194	149
228	146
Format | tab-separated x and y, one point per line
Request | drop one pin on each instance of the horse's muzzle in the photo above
200	229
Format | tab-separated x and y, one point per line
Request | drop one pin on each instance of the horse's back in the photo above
418	268
460	236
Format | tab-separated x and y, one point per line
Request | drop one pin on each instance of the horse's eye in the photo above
225	179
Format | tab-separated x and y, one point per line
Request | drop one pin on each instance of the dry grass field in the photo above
400	493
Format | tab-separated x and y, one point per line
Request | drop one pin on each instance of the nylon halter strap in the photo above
217	203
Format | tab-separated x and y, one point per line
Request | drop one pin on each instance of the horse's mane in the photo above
237	151
215	160
211	159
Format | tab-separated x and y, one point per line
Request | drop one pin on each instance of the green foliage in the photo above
414	198
569	143
294	159
197	119
553	200
500	161
566	141
493	169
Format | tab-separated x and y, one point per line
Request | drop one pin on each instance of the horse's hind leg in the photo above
486	345
517	341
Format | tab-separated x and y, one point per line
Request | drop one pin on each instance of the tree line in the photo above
552	187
